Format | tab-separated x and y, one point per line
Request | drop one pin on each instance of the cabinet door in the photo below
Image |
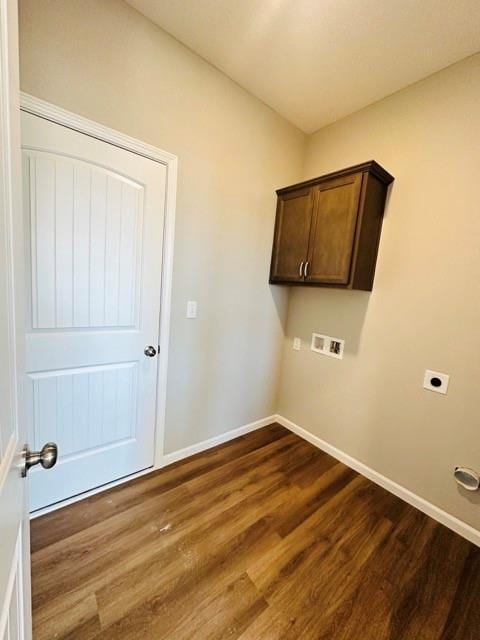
333	230
292	231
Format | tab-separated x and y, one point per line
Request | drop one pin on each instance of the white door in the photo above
15	622
94	215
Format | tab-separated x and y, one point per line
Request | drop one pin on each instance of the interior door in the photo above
15	619
293	221
334	222
94	215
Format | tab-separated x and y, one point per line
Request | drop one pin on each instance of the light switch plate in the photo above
436	381
191	309
297	344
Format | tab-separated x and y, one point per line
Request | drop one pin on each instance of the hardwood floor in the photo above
262	538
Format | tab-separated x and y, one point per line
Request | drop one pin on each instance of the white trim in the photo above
12	237
6	461
51	112
8	595
450	521
169	458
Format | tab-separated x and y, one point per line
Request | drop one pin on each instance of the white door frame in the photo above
12	237
38	107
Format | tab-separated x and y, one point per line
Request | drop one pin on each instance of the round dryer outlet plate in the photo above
436	381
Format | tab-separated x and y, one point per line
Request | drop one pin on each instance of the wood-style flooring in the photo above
262	538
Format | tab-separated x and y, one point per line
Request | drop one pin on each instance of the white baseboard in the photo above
169	458
450	521
453	523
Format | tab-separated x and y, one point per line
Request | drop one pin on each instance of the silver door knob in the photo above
150	351
47	457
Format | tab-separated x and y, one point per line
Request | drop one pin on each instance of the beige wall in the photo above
105	61
424	311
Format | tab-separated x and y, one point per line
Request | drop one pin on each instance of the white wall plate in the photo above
191	309
327	346
436	381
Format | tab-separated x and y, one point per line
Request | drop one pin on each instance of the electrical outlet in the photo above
297	344
191	309
436	381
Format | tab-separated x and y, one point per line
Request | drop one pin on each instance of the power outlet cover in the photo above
192	309
436	381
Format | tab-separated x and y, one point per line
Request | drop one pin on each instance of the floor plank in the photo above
262	538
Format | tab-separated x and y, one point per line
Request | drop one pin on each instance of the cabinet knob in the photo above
305	270
300	271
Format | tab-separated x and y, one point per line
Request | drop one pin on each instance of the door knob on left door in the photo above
47	457
150	351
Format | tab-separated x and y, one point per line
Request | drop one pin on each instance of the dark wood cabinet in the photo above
327	230
294	221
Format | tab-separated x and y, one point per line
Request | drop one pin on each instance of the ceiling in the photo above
315	61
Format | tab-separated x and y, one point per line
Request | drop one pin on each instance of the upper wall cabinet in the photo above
327	229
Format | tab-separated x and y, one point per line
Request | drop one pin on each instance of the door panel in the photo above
294	217
84	268
85	408
331	242
94	214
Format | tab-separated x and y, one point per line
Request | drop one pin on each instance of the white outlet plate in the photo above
436	381
297	344
327	346
191	309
